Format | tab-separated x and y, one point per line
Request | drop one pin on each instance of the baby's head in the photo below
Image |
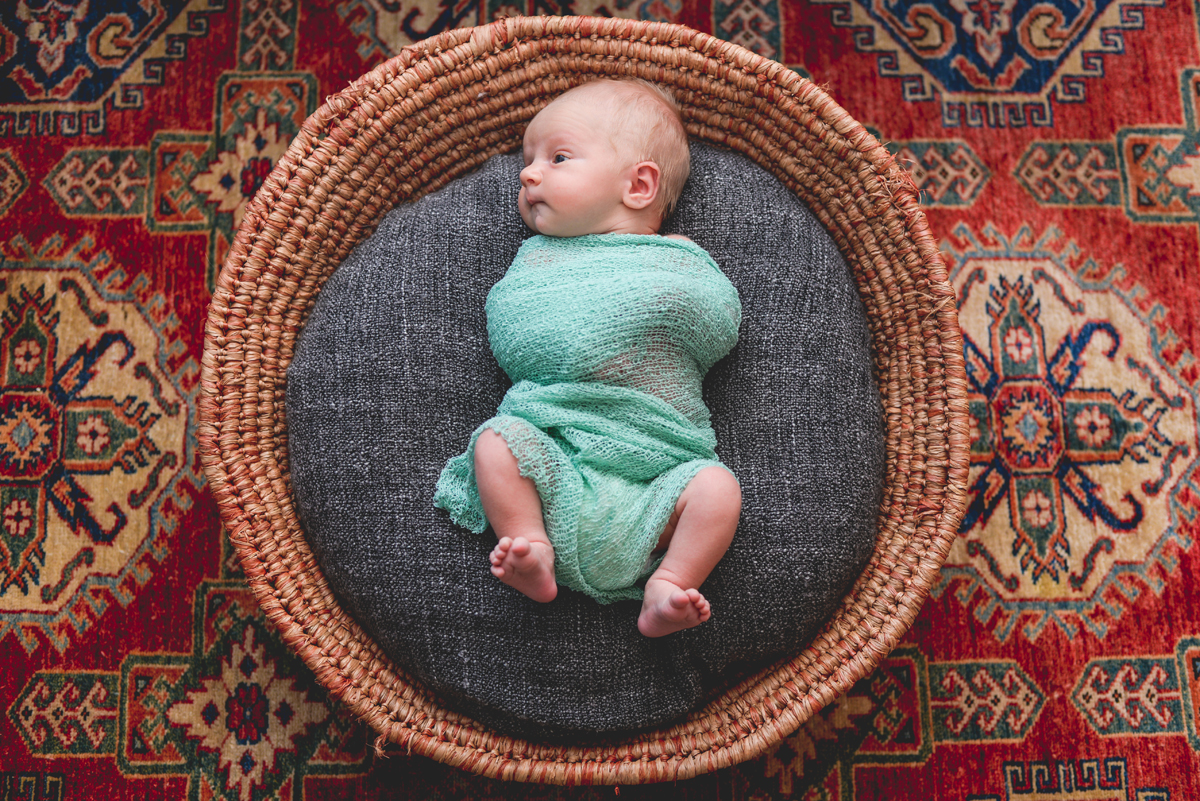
610	156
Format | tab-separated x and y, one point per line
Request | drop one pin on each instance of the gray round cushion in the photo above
393	372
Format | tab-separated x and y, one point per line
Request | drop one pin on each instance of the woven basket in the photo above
439	110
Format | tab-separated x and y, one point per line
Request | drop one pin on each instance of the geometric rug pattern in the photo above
1057	147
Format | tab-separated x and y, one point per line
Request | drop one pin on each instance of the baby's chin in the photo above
531	221
549	229
540	222
552	228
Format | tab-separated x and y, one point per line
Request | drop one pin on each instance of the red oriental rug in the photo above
1058	146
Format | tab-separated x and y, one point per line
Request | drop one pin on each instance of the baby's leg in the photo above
523	558
700	531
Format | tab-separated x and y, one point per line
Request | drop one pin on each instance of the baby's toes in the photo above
498	555
680	600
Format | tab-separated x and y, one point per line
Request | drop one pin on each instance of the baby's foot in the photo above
668	608
526	566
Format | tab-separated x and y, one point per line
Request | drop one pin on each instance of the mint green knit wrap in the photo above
606	338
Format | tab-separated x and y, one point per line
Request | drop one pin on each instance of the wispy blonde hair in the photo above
646	126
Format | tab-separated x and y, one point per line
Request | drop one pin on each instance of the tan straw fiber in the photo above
439	110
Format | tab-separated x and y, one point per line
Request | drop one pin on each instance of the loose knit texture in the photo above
607	339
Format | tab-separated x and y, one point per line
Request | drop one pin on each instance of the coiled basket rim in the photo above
435	112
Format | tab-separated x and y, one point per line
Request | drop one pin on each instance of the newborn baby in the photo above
599	471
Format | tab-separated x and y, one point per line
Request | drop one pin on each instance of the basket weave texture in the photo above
437	111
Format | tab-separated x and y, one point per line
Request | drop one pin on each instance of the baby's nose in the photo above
529	176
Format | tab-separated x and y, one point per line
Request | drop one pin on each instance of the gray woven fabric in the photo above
393	372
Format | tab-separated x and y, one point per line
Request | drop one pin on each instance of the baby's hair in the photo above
647	125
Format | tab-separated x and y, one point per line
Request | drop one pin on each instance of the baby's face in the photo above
573	181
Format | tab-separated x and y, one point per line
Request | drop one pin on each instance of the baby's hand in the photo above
678	236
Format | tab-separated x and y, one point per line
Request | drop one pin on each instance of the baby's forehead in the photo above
607	105
571	121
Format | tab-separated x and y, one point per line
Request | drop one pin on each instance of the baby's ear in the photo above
643	185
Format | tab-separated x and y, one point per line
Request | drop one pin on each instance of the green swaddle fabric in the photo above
606	339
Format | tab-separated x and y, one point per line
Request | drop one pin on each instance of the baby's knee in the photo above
718	486
492	451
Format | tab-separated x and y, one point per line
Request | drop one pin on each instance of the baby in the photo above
599	471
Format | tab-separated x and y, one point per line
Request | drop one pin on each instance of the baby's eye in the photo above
559	158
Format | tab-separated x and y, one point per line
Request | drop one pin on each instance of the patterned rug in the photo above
1058	147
